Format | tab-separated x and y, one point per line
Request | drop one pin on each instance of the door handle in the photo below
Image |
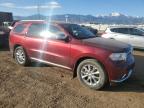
25	34
131	37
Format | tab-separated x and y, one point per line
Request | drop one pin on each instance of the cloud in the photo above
52	4
8	5
28	7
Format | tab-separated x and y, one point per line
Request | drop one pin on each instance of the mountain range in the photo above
113	18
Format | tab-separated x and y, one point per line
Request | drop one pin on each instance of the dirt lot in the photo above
44	86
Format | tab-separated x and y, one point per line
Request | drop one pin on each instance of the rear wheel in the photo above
92	74
21	56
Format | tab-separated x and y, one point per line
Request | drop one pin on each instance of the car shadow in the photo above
136	82
37	64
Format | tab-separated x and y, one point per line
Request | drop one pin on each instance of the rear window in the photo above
19	28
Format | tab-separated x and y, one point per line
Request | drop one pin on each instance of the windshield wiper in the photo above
88	37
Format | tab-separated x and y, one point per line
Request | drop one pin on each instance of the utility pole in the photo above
38	9
66	18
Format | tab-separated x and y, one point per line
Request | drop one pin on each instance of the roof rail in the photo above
126	26
30	20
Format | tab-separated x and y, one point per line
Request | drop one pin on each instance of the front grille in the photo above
128	51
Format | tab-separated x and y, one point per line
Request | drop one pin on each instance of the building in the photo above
5	17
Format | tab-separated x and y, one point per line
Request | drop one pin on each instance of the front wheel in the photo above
92	74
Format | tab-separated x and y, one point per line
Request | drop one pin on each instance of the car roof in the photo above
31	21
111	27
40	21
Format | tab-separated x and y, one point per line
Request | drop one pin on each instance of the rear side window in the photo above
19	28
121	30
114	30
44	30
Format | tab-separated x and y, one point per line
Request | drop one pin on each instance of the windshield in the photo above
78	31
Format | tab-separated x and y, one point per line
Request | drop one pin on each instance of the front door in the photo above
57	48
137	38
122	34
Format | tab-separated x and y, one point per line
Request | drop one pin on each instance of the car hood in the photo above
108	44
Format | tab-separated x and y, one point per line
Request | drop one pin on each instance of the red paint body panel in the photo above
68	53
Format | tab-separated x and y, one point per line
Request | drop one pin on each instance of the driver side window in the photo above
58	34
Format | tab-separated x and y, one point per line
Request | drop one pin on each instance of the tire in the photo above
21	56
91	74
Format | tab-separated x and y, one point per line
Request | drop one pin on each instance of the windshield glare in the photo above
78	32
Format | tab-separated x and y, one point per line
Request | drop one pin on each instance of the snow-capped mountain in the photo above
113	18
115	14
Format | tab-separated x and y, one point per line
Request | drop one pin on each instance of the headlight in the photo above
118	56
131	49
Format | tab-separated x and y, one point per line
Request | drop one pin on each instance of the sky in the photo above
81	7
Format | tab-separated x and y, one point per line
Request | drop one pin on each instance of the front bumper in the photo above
123	78
120	71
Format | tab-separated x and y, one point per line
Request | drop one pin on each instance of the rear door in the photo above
34	42
17	35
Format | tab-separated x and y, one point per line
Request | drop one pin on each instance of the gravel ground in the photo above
47	86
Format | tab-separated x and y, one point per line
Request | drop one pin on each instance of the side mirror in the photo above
10	27
63	37
67	39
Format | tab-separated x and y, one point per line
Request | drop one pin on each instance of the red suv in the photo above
94	60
